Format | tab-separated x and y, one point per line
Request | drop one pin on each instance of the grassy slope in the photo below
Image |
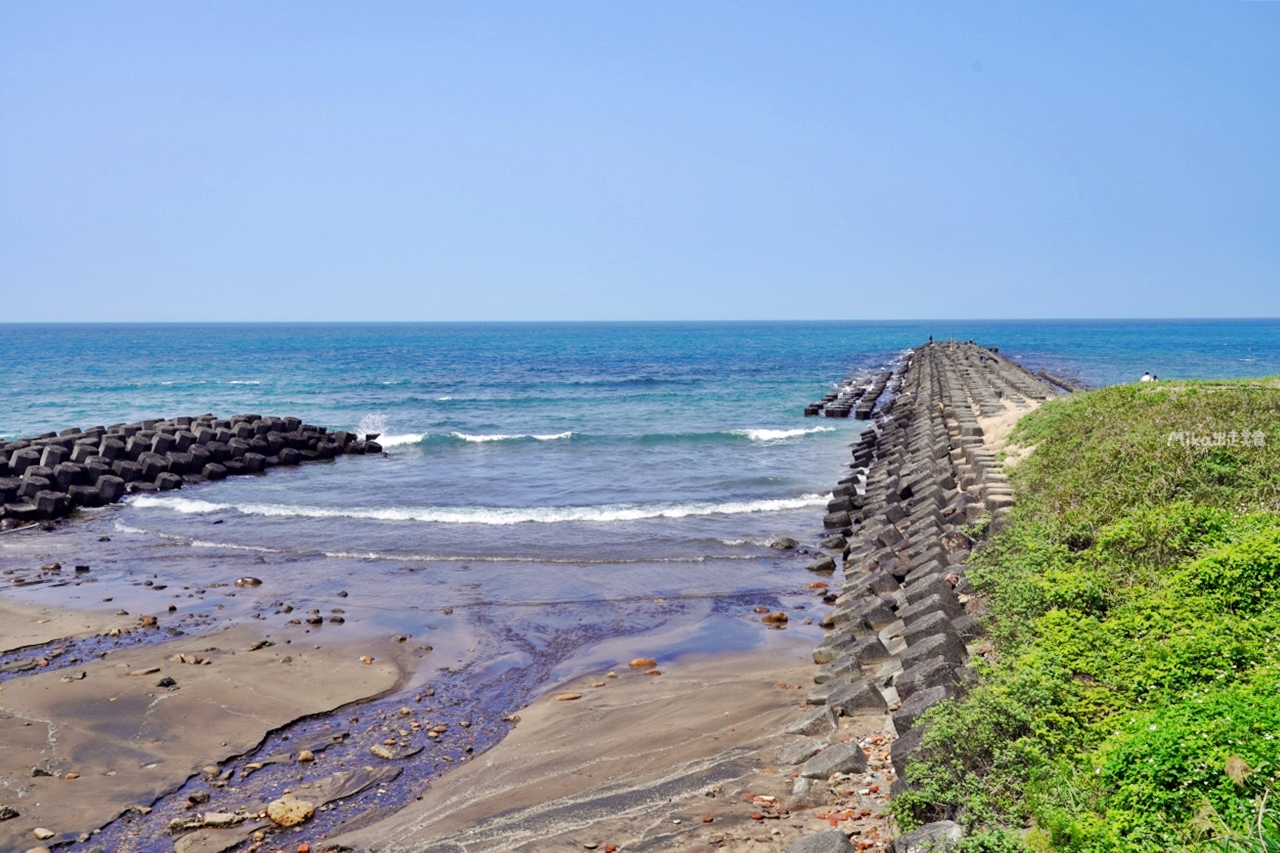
1134	621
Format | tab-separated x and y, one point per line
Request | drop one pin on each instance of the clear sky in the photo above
638	160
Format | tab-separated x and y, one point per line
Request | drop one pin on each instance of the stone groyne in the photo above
923	490
48	476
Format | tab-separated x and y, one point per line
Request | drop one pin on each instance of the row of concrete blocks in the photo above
898	631
48	476
851	398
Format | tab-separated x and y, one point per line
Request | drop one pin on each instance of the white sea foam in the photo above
244	382
778	434
399	440
481	439
443	399
483	514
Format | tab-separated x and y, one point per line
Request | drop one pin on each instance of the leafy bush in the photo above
1133	611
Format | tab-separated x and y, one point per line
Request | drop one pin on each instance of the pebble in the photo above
43	834
775	618
366	660
248	581
306	755
653	672
568	697
642	663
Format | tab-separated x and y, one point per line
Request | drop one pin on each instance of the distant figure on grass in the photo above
1146	377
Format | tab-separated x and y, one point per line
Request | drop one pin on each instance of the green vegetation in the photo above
1130	689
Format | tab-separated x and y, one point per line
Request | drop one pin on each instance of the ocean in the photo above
554	498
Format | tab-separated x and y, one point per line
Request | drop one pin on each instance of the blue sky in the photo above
642	160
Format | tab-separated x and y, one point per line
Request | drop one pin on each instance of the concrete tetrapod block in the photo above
947	645
111	488
830	841
931	584
819	721
922	700
51	504
935	623
937	837
947	604
837	758
856	698
802	750
934	672
845	664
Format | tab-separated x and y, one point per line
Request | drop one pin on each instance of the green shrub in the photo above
1133	615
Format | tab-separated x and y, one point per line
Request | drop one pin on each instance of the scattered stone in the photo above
248	581
568	697
166	682
643	663
43	834
150	670
39	771
306	755
289	812
8	813
366	660
783	543
775	618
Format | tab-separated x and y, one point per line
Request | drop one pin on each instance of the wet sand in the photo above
23	625
639	763
113	738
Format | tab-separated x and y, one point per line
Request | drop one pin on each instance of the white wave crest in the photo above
399	440
487	515
778	434
244	382
481	439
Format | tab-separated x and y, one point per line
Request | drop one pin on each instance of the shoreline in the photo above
718	724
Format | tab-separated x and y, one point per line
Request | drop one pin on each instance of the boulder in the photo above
214	471
823	565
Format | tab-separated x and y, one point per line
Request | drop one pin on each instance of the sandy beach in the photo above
81	745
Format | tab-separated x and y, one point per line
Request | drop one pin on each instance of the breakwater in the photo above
923	491
48	476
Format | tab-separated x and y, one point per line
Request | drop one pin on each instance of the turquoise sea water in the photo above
560	451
